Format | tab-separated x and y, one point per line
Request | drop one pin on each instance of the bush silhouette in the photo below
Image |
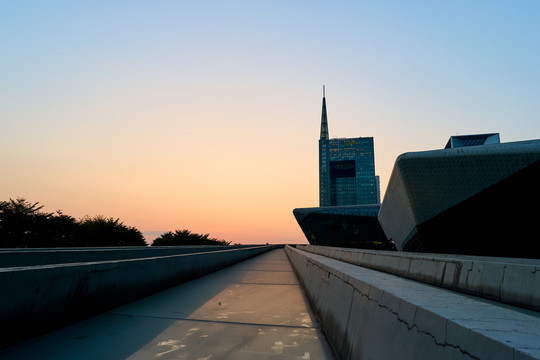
23	224
102	231
186	237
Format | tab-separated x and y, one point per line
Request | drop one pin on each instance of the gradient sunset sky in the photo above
205	115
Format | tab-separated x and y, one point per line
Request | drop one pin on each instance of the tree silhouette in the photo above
23	224
186	237
102	231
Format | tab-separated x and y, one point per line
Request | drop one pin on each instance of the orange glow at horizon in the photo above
173	115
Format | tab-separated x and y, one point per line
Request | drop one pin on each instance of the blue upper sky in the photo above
136	108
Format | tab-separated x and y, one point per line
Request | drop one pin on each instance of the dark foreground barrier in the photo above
37	299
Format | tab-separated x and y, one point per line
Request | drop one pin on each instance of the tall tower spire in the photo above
324	119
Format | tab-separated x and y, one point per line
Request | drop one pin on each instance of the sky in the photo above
205	115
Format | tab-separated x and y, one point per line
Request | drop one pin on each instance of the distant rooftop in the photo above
472	140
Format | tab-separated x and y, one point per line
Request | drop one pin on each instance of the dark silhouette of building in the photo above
353	226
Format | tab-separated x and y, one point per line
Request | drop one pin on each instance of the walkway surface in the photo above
252	310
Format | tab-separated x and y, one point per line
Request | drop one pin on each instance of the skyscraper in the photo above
346	168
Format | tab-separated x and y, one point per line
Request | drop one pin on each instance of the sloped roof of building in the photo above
472	140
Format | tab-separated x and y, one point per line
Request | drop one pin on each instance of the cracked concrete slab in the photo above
394	317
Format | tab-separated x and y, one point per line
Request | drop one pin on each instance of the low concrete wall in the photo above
509	280
37	299
33	257
367	314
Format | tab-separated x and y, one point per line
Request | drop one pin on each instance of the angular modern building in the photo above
477	197
353	226
346	169
472	140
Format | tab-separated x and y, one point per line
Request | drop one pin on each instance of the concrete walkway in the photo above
252	310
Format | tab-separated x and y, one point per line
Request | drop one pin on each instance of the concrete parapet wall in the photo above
36	299
367	314
509	280
33	257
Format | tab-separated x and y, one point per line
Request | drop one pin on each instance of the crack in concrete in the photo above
409	326
415	326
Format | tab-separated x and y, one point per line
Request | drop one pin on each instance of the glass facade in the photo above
347	172
346	169
472	140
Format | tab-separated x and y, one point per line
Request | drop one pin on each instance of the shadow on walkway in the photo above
254	309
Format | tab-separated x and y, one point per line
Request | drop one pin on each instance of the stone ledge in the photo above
371	314
509	280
